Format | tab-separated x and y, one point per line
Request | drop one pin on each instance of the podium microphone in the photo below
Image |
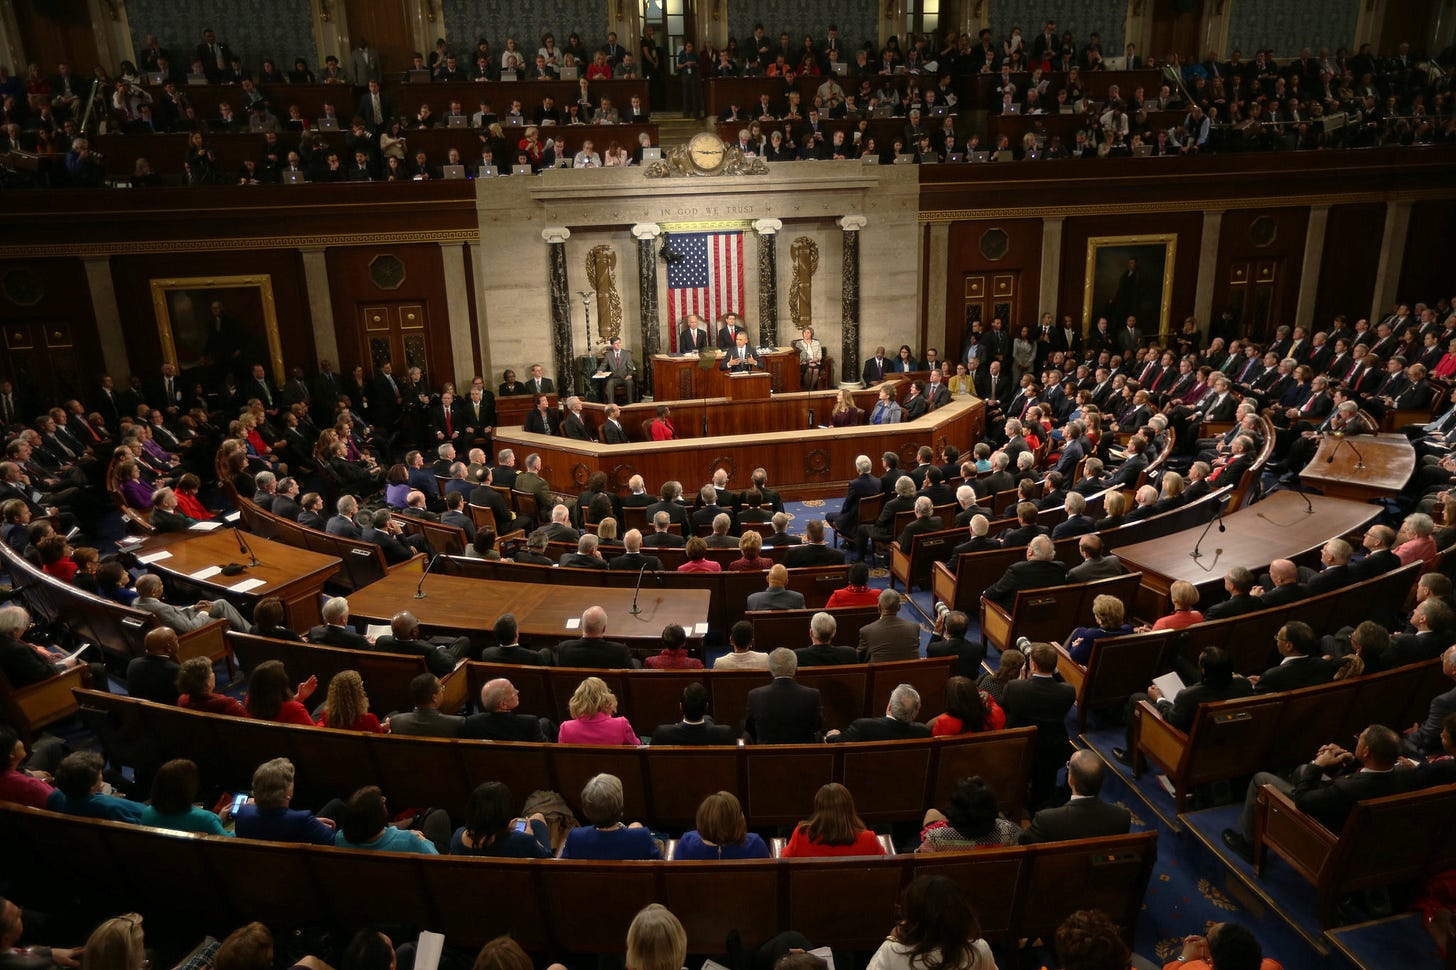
637	610
1196	554
420	589
244	548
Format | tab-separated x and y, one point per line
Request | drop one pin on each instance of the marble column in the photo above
452	258
1392	258
320	304
1051	265
646	234
1314	255
935	298
768	281
849	355
1207	256
108	318
562	353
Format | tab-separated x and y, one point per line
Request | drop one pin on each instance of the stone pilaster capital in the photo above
646	230
556	234
767	227
853	223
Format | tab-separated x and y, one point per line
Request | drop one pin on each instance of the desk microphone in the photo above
637	610
1196	554
420	589
1359	458
244	548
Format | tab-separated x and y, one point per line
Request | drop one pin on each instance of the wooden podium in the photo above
678	377
752	386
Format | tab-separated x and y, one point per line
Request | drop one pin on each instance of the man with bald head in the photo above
1085	816
153	676
498	720
1286	589
592	648
1037	571
632	557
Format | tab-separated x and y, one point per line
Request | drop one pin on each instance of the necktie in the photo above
171	397
217	55
378	114
617	359
449	425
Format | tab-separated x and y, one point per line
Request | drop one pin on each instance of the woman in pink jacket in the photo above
593	717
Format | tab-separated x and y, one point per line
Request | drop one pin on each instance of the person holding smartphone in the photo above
490	829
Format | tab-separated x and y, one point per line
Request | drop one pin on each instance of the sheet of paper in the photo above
205	573
1170	684
154	557
378	630
573	623
204	526
248	584
825	954
428	950
232	516
699	629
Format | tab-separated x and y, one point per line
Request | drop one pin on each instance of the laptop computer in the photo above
1011	109
291	177
417	76
870	160
197	79
1114	63
939	111
1033	154
514	121
980	156
956	157
327	124
520	170
508	75
255	123
905	158
884	111
486	172
841	68
457	121
453	171
569	73
651	154
929	158
1007	156
1142	151
156	78
1066	109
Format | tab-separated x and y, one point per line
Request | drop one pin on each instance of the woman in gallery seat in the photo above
197	690
272	698
491	829
593	717
937	928
605	836
364	824
347	707
972	820
697	558
722	832
968	710
845	414
834	829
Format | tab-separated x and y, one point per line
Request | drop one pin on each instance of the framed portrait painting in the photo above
1130	276
215	325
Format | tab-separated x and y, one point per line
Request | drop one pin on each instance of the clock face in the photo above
706	152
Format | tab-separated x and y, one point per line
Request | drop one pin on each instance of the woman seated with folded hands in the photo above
1185	600
1107	611
605	836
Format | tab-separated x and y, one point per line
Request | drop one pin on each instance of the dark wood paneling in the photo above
1409	20
57	30
50	348
1426	271
351	288
1023	257
386	25
132	275
1347	268
1175	29
1076	232
1285	251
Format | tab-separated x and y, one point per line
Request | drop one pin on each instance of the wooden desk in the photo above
1337	468
678	377
471	606
294	575
748	387
1276	528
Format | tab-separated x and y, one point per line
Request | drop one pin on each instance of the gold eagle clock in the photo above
706	153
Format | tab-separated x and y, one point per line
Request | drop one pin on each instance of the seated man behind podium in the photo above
592	648
897	724
1037	571
620	370
778	596
696	727
660	538
783	712
813	551
822	650
426	720
508	649
335	630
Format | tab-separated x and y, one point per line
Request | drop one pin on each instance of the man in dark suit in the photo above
876	368
969	653
729	333
1000	480
890	637
592	648
632	558
696	728
1335	555
1085	816
923	523
442	654
1431	620
505	520
1027	527
1217	683
822	650
587	556
1378	558
676	511
342	523
385	533
1328	787
1042	701
767	496
898	724
335	630
498	720
1301	667
783	712
1237	582
1426	737
1037	571
508	651
572	423
612	431
386	399
864	485
214	55
812	551
882	529
660	537
1287	587
694	337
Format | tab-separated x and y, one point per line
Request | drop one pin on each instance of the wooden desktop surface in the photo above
542	611
1279	527
294	575
1387	459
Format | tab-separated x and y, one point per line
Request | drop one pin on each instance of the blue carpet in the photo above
1396	941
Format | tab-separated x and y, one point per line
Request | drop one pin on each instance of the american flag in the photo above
708	280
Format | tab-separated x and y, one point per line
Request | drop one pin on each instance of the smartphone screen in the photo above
522	825
239	800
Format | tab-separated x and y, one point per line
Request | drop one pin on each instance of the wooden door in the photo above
1175	29
985	296
55	31
396	332
43	359
1255	296
386	25
1409	20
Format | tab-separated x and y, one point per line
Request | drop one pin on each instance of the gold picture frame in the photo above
182	307
1108	291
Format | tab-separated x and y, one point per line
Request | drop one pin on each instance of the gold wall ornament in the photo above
804	254
601	270
705	154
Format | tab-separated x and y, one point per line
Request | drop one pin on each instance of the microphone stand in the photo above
1359	458
637	610
420	589
1196	554
244	548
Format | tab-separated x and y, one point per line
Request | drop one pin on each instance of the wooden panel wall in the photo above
50	347
1023	257
56	30
351	288
1188	226
1347	271
1426	271
132	276
1244	242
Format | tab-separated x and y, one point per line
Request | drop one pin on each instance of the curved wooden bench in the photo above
1044	615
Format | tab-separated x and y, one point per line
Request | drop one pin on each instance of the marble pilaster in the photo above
768	281
1314	254
561	347
1392	257
849	356
108	318
1207	256
320	304
646	234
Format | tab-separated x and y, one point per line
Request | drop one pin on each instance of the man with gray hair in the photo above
890	637
592	648
186	618
883	528
587	556
498	719
267	815
335	630
534	551
559	528
781	536
863	485
660	537
783	712
898	723
822	650
1077	522
969	508
26	664
265	486
925	521
1037	571
342	522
